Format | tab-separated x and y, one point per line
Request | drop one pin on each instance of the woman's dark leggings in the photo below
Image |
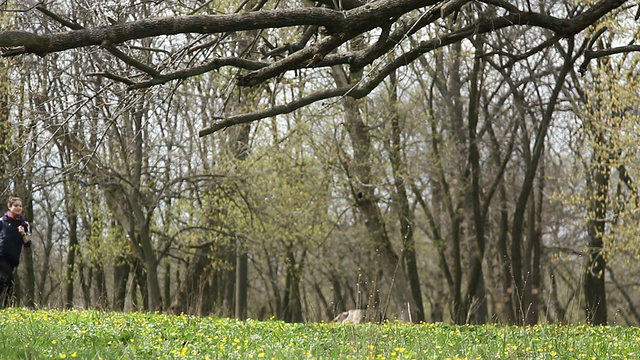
6	284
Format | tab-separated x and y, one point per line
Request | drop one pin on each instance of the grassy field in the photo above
51	334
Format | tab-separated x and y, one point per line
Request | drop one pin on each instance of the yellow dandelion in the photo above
62	356
54	341
74	354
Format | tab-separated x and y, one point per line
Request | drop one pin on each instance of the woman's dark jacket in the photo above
11	241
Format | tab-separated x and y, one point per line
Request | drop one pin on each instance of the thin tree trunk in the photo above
100	296
365	199
594	276
121	272
154	300
242	284
527	191
292	298
185	298
534	253
140	280
29	264
474	293
240	151
72	219
166	298
404	212
85	285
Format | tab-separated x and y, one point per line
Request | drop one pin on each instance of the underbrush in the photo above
52	334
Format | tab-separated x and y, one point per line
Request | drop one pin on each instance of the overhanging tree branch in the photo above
594	54
398	20
483	26
198	24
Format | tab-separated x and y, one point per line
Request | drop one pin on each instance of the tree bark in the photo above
240	150
184	301
29	264
527	189
405	214
72	219
242	284
121	271
100	294
292	300
594	276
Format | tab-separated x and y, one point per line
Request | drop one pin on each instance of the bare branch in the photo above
594	54
197	70
276	110
200	24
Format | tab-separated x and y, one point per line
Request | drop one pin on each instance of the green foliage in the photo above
50	334
283	197
612	138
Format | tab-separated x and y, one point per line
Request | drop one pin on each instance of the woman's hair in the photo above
13	200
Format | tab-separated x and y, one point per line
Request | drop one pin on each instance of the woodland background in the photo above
489	180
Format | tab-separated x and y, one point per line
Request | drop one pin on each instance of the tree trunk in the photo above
240	149
72	219
100	296
27	287
140	280
166	298
506	308
527	190
474	293
228	281
594	276
121	272
242	284
154	301
292	298
185	297
405	214
533	254
364	194
85	285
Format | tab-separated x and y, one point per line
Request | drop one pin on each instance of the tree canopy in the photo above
318	41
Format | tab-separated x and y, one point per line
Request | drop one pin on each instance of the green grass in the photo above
51	334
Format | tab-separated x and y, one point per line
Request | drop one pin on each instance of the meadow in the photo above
53	334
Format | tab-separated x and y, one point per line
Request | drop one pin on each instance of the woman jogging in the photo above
14	232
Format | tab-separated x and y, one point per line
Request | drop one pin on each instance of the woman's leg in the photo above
6	284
